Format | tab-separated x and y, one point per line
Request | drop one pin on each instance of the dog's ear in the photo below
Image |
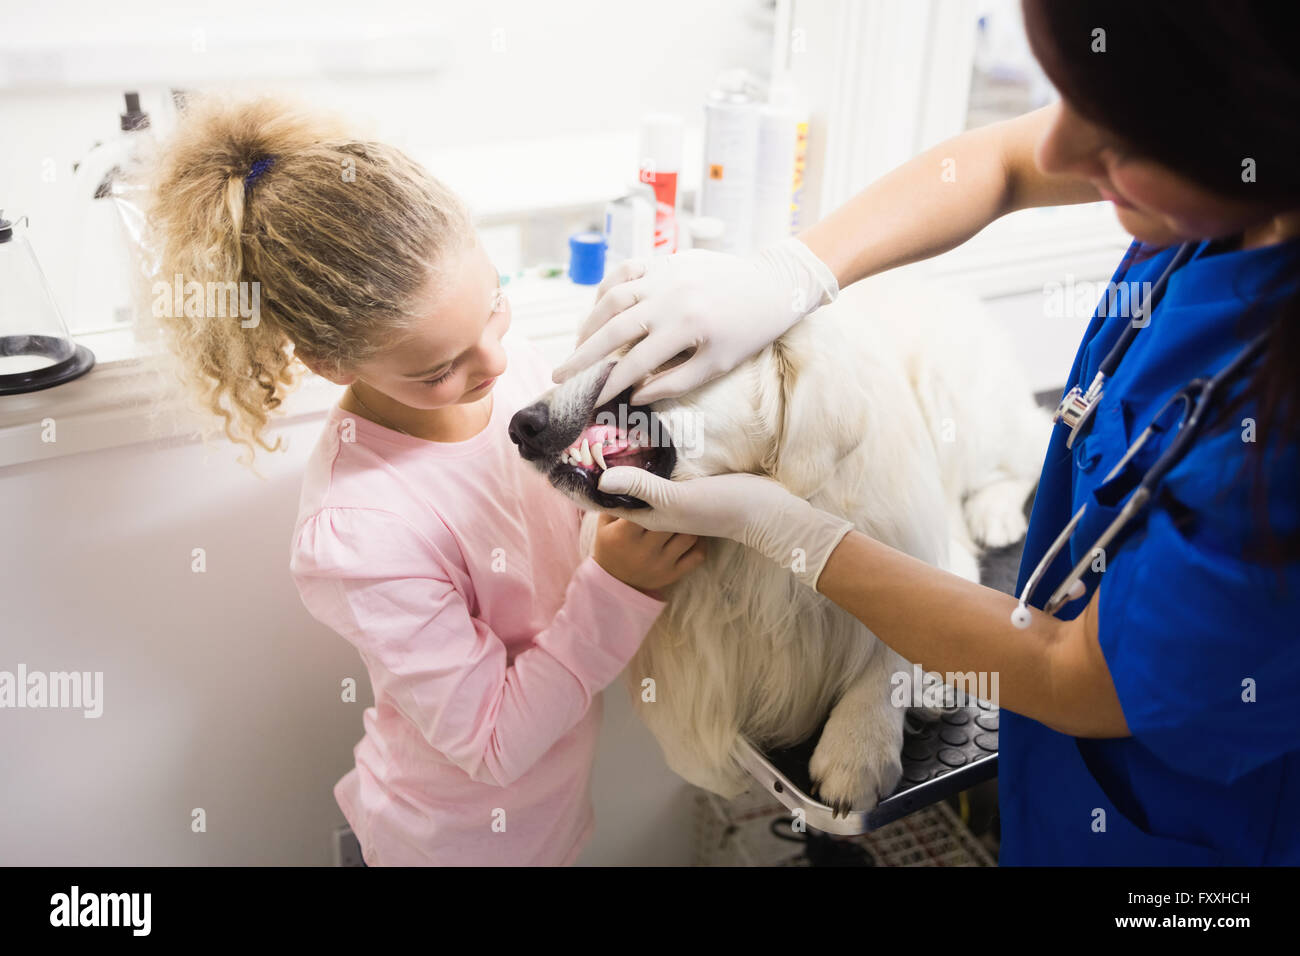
818	426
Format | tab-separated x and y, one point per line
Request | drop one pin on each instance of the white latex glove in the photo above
724	307
755	511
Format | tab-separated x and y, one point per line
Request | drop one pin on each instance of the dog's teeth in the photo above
585	454
598	453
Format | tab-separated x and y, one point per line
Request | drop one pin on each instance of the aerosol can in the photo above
732	117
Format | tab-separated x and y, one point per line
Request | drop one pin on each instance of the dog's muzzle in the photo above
573	453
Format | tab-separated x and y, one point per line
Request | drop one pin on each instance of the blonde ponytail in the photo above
322	240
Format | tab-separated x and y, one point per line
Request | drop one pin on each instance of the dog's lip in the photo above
592	489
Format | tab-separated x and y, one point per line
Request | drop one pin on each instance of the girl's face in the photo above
455	355
1154	203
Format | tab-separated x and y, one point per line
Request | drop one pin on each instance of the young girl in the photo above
422	537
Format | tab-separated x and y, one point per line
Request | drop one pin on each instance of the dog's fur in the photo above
898	407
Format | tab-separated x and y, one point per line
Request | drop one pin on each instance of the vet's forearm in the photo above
1053	671
941	198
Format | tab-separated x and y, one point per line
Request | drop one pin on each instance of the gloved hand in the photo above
755	511
725	307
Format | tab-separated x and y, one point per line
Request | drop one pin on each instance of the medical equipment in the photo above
778	144
1077	406
1182	414
36	350
732	116
587	257
940	759
111	253
660	162
630	224
706	232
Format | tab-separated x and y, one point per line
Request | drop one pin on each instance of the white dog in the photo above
897	407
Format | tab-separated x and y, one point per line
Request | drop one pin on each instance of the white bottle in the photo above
727	186
782	141
705	232
630	225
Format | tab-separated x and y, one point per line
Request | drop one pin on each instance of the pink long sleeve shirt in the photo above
454	569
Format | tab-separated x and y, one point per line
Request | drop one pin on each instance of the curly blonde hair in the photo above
337	235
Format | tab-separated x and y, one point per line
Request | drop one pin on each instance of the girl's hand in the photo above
756	511
645	560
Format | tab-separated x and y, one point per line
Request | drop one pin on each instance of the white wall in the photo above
444	80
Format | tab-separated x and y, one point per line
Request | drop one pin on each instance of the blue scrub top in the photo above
1187	623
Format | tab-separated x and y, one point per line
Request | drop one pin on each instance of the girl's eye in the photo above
443	377
499	302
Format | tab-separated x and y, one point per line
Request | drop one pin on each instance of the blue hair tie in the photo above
259	167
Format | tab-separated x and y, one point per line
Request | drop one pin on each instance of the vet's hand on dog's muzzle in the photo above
719	308
753	510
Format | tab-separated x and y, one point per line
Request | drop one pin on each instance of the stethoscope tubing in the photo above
1089	399
1197	393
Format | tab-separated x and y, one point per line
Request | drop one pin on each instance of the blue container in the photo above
587	257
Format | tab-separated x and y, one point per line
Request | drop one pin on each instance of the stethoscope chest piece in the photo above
1077	407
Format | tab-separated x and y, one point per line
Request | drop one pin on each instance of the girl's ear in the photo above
324	369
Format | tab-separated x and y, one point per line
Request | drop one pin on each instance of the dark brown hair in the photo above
1205	88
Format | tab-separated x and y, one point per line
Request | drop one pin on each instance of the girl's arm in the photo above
939	199
1053	671
382	585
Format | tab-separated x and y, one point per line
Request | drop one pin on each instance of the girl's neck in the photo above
451	423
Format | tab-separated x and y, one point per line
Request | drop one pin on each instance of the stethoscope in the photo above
1076	410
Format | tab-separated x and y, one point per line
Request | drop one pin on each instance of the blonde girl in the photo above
422	537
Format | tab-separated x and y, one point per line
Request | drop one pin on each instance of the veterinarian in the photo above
1152	721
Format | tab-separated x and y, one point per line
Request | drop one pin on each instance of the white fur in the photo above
854	410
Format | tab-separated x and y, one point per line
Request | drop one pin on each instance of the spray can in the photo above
782	157
727	187
660	162
797	204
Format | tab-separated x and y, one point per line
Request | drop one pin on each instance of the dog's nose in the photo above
526	428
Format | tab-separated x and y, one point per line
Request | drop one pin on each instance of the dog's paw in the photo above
854	768
995	514
928	715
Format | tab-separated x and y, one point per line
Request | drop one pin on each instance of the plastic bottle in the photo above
782	156
731	131
112	257
660	162
705	232
630	224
